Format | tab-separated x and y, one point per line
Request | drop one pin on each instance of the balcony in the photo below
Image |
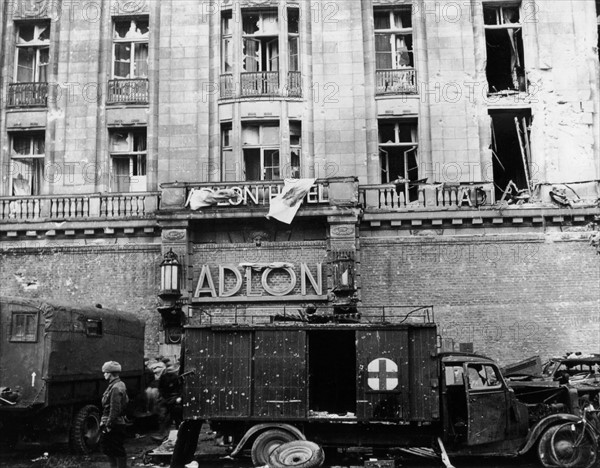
260	84
396	82
422	197
130	91
77	207
27	94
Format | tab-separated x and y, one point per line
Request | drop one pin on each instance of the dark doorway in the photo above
511	158
332	371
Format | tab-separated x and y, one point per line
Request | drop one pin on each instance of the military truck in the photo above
51	355
379	382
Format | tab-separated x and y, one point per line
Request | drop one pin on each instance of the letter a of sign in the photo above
205	277
383	374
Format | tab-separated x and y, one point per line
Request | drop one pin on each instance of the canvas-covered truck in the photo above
374	383
51	355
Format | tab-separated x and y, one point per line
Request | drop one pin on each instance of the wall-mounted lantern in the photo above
170	276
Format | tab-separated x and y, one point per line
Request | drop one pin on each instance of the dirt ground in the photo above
142	451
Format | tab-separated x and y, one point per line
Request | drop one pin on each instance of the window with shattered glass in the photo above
393	39
505	68
33	52
128	160
260	48
24	327
27	163
130	48
260	145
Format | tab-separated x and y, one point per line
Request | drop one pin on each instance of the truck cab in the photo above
480	411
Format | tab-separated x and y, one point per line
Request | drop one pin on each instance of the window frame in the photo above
137	159
37	160
37	47
35	337
263	147
394	33
264	40
484	387
89	331
413	145
293	37
133	42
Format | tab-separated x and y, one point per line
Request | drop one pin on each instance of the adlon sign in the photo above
252	282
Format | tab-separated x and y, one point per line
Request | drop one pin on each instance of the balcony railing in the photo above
129	91
259	193
260	84
396	82
393	197
77	207
27	94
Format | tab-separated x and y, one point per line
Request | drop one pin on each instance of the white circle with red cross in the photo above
382	374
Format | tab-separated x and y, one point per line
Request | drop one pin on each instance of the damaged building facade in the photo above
454	147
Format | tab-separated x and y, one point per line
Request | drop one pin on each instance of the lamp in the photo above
170	276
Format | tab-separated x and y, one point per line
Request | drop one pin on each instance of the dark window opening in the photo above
511	150
24	327
93	327
505	68
332	371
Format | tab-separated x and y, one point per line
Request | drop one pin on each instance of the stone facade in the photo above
224	86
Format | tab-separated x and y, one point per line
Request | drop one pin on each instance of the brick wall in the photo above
512	298
122	277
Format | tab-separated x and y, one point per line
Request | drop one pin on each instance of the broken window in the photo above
130	48
260	32
511	151
27	163
394	59
128	160
33	52
505	69
398	145
260	144
393	39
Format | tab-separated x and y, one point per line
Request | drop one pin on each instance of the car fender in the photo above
263	427
544	424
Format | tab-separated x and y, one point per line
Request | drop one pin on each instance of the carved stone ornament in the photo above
342	231
174	234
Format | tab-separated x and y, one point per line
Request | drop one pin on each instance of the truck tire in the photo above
297	454
84	437
266	442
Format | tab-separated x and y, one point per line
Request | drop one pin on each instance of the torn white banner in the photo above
285	205
204	197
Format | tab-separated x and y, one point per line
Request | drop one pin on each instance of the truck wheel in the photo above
297	454
544	449
266	442
85	430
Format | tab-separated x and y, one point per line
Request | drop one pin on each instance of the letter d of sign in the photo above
382	374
